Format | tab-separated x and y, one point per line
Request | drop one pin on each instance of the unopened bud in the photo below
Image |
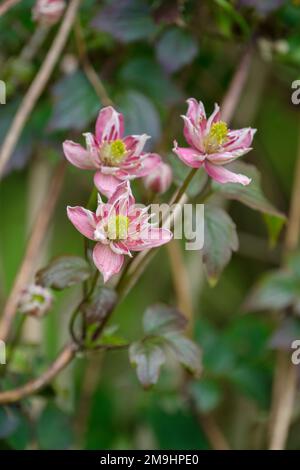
35	301
48	12
160	179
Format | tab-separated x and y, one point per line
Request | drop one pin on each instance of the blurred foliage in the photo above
151	56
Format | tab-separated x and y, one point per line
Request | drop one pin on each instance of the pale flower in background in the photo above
48	12
35	300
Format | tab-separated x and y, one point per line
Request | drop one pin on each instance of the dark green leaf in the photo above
176	48
140	115
53	429
75	103
286	333
147	356
276	290
101	304
64	272
160	319
186	351
126	20
220	239
9	421
207	394
155	84
252	196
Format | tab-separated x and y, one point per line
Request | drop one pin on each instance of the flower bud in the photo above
35	300
48	12
160	179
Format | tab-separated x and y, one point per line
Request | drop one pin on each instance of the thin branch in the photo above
180	281
33	247
18	394
285	380
38	85
7	6
63	359
89	70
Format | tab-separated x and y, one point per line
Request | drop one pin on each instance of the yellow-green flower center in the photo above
117	227
38	298
218	133
113	153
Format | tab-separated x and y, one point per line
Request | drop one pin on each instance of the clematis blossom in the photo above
212	144
114	157
119	227
48	12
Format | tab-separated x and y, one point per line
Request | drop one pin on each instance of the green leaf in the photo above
160	319
207	394
125	20
155	84
176	48
100	304
140	114
252	196
276	290
53	429
75	103
286	333
147	356
9	421
63	272
186	351
220	239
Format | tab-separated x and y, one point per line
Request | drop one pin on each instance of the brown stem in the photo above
7	6
180	281
89	70
33	247
285	380
63	359
38	85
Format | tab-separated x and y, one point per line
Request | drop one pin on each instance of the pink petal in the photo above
189	156
194	133
148	164
150	238
122	199
78	156
83	219
221	175
214	117
196	111
223	158
241	138
108	262
135	143
109	125
106	184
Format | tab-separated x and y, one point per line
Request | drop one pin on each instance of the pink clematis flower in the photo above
212	145
118	227
116	158
48	12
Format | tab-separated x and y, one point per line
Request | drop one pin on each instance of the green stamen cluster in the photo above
117	227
